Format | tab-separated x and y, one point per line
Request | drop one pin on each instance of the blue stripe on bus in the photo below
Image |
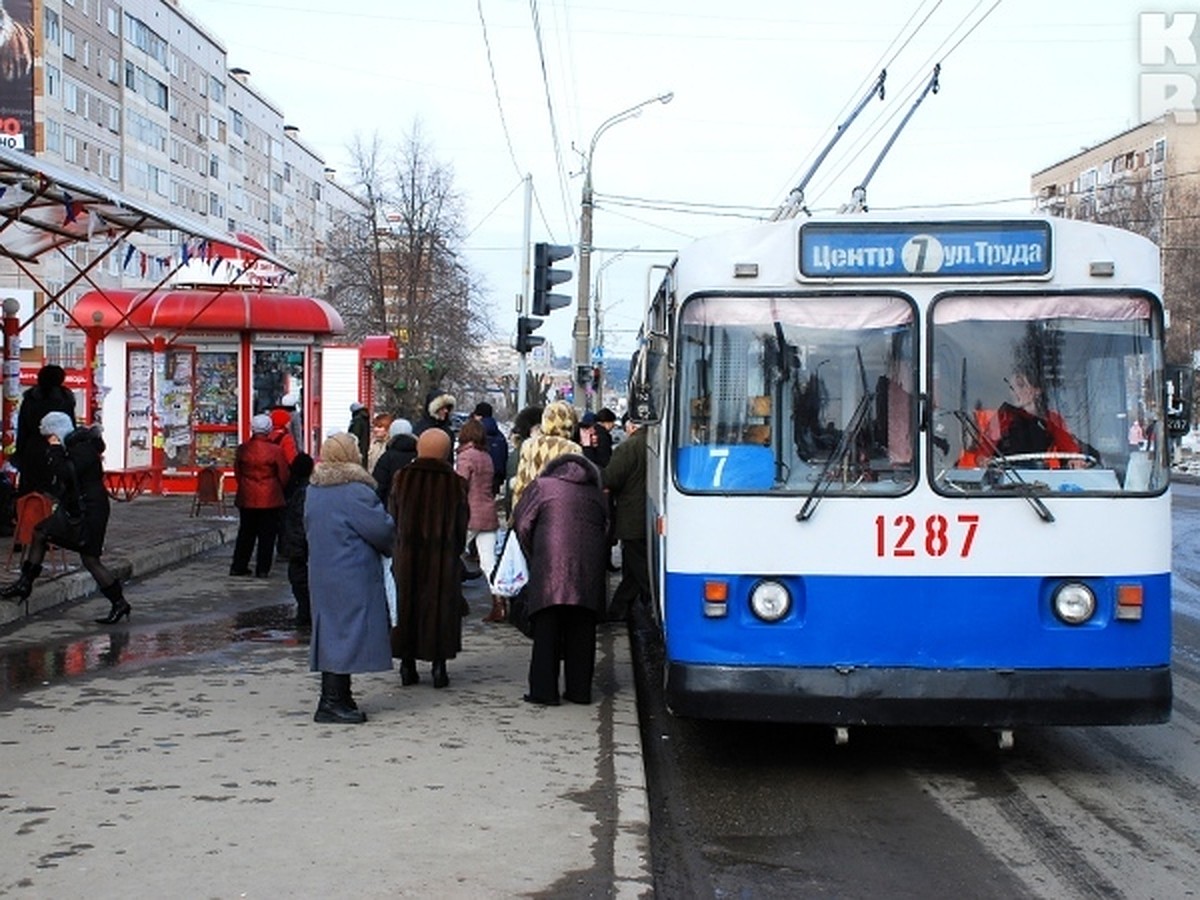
926	622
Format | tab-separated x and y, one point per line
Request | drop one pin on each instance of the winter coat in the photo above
625	480
261	471
497	448
475	467
561	521
31	446
77	483
292	540
360	427
401	450
429	505
347	531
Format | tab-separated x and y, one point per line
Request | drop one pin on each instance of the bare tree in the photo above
397	271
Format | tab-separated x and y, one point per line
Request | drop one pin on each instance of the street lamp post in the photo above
583	354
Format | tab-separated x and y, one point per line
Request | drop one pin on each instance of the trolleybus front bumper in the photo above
993	698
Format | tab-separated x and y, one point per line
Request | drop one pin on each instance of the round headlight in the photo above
770	601
1074	603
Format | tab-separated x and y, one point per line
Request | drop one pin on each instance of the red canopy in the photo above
197	310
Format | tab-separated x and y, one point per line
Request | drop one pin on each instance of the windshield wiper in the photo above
1019	484
848	441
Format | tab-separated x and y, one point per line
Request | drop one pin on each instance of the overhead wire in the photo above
910	89
496	90
560	169
883	63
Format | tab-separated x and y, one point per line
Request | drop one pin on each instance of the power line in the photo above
561	170
496	88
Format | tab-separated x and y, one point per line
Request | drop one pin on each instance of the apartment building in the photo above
140	96
1145	179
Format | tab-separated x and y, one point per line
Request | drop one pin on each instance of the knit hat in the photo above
433	444
340	448
260	424
482	410
58	424
399	427
606	415
280	418
588	420
356	406
559	419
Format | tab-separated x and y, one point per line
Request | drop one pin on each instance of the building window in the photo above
218	90
50	26
70	97
113	26
53	81
68	43
113	70
87	54
70	148
53	135
239	124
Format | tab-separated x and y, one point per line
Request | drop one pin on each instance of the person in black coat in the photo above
292	540
47	396
401	450
497	448
80	520
436	414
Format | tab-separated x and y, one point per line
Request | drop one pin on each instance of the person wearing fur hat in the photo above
438	406
348	531
428	503
80	520
262	473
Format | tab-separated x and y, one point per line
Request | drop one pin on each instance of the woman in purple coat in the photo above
561	521
347	531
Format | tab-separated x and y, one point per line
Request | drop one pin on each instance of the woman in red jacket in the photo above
261	470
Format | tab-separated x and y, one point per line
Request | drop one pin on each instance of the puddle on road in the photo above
33	665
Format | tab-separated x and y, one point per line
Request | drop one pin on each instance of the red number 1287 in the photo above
905	536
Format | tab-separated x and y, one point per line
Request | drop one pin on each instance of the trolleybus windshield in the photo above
1060	392
796	393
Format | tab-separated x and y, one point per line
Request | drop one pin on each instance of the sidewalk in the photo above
205	776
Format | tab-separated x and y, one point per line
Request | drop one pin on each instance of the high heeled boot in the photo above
20	589
120	606
332	708
499	611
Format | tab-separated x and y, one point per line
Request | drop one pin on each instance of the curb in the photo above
78	583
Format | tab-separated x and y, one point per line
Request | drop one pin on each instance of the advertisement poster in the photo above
16	74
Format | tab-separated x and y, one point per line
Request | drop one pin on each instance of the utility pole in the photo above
525	281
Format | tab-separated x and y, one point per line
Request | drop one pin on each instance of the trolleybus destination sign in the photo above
924	249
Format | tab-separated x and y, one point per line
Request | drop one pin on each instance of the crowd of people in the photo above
382	529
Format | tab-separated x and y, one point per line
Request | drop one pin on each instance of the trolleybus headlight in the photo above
770	601
1074	603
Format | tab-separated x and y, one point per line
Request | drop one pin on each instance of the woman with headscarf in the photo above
555	437
80	521
347	531
48	395
561	521
428	502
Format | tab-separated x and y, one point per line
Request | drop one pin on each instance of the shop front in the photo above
176	377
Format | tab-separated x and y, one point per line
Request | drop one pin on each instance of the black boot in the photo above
408	672
332	706
347	697
440	677
20	589
120	606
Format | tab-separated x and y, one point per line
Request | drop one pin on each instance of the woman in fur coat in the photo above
347	531
428	502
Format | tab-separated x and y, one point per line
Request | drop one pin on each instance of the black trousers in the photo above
567	633
635	579
255	527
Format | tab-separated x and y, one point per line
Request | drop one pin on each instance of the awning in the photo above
44	205
205	310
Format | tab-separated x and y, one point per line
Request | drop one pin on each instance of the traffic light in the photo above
526	339
545	277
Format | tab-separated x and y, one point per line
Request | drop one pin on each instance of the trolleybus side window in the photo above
1045	390
785	393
